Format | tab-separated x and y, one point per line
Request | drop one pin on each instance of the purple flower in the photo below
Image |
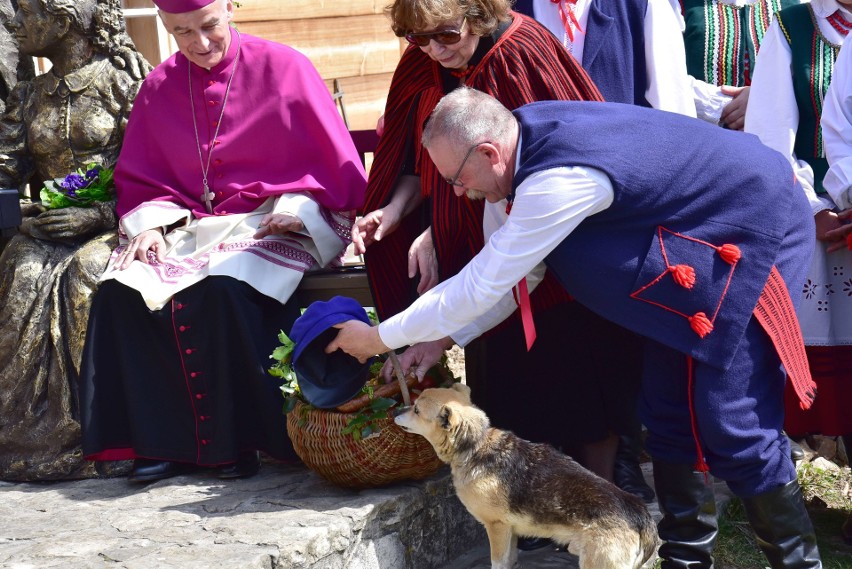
73	182
92	173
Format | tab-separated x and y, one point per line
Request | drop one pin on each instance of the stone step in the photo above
286	517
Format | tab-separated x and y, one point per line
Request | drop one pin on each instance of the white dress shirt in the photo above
548	206
837	130
772	113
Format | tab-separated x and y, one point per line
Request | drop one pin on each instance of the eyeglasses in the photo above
443	37
454	181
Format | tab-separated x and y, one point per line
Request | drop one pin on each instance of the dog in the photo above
517	488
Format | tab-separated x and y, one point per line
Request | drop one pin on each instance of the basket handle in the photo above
406	397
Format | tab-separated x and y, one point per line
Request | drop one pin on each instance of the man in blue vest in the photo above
673	228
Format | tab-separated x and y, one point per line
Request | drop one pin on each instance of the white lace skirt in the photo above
825	308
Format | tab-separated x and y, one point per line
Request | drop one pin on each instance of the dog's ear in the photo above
444	417
463	390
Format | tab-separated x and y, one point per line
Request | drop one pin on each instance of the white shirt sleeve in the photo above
772	112
322	242
547	207
837	130
709	100
669	87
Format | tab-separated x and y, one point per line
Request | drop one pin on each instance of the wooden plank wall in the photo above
347	40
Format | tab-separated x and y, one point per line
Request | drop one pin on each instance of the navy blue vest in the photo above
614	50
682	189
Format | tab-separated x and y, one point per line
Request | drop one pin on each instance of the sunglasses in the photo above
443	37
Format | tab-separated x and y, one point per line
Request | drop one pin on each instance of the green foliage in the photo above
826	494
82	188
283	369
368	420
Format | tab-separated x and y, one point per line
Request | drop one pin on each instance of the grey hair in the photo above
467	117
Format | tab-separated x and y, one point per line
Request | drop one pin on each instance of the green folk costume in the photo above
812	66
722	39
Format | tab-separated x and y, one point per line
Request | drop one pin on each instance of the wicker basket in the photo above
391	456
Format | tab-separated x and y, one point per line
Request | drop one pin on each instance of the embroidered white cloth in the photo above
225	245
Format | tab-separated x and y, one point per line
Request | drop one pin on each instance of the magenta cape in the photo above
281	133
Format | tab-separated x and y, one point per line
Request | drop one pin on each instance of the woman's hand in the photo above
422	259
839	236
149	242
733	115
375	225
825	220
73	223
279	224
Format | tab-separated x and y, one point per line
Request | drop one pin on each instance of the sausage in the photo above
385	390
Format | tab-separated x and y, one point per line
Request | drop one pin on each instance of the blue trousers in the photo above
739	413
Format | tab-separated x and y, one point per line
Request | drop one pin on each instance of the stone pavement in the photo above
286	517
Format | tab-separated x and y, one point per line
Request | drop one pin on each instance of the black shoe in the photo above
532	543
147	470
627	474
247	465
796	451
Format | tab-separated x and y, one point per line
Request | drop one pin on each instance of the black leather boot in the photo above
783	528
689	526
627	474
797	453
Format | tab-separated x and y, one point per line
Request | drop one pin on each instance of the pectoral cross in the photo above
207	198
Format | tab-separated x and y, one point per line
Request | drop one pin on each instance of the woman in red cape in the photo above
485	46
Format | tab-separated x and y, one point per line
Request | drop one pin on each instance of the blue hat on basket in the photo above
327	380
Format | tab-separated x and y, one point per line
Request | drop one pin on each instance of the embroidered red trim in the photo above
700	464
777	315
839	23
684	275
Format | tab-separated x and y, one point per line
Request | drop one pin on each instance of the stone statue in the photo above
12	68
60	121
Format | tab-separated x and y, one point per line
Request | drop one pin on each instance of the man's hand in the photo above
373	226
279	224
419	358
358	339
733	115
138	248
422	259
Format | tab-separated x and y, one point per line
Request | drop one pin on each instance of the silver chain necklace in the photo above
207	197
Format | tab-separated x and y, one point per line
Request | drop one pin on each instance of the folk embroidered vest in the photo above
813	62
614	52
678	200
722	40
